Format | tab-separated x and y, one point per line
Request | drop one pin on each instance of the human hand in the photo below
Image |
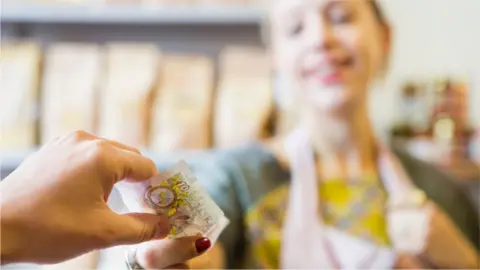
169	254
214	258
446	246
408	261
54	205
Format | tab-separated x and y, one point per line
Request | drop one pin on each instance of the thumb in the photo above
134	228
407	261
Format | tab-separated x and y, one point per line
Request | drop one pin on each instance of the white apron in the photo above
309	244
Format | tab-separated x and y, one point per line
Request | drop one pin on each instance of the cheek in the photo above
287	56
286	53
362	47
375	57
372	57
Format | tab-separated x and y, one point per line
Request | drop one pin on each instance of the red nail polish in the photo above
202	245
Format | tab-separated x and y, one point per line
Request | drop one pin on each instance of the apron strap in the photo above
303	239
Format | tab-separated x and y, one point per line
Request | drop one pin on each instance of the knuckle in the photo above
100	144
136	150
78	135
98	152
147	233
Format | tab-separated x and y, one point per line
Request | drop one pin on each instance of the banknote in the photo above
177	194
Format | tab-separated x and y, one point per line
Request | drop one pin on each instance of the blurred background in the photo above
170	75
164	75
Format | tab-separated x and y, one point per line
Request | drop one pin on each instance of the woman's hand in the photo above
54	205
171	253
161	254
446	246
214	258
407	261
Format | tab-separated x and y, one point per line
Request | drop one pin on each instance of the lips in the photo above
330	79
329	71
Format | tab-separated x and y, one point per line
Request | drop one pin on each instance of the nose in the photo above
320	33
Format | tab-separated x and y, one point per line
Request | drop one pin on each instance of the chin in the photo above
334	102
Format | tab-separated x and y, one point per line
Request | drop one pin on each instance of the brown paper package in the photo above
244	102
70	87
20	73
182	111
126	95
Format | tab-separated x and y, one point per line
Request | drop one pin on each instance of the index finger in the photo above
134	167
163	253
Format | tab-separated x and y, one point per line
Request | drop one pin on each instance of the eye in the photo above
295	28
340	15
293	22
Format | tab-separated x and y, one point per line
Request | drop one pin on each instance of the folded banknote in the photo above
177	194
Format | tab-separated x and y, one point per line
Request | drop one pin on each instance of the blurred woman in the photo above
329	195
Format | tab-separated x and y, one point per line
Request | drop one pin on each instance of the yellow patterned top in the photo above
354	207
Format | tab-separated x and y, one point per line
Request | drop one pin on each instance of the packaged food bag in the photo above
20	74
244	102
126	95
182	110
178	195
70	88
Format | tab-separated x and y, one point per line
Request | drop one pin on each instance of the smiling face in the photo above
331	48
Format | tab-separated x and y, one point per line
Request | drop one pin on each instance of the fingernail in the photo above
202	245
